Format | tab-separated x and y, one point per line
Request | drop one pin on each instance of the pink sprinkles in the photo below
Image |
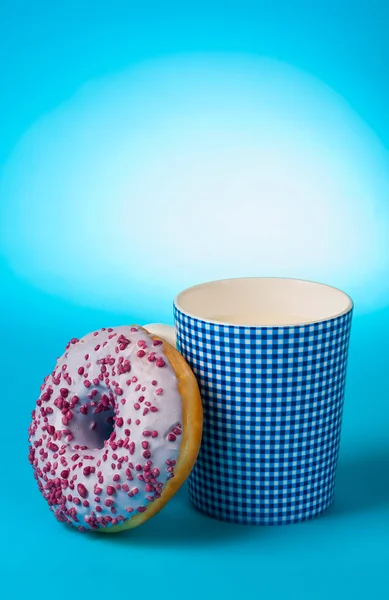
65	456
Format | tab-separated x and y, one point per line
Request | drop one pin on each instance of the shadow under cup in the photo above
270	357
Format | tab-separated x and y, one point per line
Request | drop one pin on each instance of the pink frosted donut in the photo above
108	426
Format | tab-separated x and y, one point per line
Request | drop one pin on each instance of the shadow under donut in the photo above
179	523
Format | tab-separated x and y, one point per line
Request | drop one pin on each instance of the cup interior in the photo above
263	301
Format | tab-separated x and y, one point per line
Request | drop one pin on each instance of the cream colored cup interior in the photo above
263	301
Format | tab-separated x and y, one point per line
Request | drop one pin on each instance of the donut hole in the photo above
92	430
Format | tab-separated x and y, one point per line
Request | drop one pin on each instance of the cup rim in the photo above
347	310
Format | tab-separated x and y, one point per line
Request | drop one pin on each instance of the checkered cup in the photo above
270	357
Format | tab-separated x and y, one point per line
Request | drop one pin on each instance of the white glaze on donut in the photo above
95	473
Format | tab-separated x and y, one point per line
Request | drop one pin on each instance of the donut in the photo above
116	429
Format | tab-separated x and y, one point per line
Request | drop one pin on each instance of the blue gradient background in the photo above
244	138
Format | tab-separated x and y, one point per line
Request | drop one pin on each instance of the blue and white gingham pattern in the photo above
273	400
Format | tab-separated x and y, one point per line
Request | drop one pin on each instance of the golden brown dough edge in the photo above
192	417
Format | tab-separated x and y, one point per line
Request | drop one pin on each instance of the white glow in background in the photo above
192	168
